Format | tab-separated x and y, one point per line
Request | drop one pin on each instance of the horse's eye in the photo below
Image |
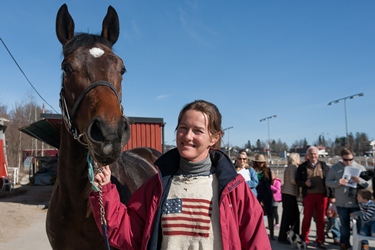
123	70
66	67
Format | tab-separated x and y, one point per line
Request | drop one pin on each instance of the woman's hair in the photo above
365	194
213	117
293	159
242	151
238	168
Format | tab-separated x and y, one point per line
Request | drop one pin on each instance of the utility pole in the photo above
269	142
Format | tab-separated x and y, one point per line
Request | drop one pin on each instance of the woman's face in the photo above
241	160
192	137
260	165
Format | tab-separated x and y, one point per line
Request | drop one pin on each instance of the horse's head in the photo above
90	97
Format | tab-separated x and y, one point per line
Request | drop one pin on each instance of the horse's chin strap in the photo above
98	189
69	119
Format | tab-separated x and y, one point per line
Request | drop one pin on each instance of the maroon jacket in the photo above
133	226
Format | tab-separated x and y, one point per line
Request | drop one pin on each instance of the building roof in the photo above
48	128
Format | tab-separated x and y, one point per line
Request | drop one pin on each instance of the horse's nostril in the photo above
96	132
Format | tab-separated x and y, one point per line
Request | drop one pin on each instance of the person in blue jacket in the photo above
248	173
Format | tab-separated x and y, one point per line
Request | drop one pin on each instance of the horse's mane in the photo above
84	40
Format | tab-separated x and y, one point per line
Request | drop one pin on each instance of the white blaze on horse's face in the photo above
96	52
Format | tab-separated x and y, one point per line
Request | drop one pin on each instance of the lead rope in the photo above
95	188
102	215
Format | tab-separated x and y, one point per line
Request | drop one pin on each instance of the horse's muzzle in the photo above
105	139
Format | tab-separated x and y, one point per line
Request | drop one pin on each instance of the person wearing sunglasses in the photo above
345	196
247	172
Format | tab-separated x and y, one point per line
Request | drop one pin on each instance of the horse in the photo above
94	128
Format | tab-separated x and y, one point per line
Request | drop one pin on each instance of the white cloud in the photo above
159	97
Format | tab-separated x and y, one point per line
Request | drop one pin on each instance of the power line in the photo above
26	76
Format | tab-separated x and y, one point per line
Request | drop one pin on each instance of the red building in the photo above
145	131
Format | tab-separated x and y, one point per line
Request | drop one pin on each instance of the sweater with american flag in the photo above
190	218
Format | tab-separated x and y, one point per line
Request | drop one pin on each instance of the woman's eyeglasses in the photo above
347	159
242	159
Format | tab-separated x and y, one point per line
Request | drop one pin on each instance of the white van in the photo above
371	150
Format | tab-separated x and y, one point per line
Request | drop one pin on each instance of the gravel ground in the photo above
23	214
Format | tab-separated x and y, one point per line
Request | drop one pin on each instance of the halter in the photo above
70	119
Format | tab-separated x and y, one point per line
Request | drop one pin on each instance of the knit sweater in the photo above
290	186
317	177
367	211
190	215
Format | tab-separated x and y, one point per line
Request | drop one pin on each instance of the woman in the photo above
265	194
193	178
290	192
247	172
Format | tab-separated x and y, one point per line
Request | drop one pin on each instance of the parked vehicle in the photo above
371	149
323	153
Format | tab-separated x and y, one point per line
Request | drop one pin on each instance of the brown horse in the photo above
90	100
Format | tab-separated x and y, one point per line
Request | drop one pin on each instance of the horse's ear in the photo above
64	25
111	26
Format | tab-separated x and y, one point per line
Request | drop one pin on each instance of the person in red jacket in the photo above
196	201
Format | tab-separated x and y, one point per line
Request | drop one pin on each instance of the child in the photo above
366	214
332	222
276	190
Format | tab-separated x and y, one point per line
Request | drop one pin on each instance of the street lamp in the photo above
346	119
228	138
268	124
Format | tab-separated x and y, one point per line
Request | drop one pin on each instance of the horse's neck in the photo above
72	166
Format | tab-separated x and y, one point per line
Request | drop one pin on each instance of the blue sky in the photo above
253	59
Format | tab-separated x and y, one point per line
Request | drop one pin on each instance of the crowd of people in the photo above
330	196
201	200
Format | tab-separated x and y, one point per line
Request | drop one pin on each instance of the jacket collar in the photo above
224	169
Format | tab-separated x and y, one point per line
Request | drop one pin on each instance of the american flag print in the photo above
187	217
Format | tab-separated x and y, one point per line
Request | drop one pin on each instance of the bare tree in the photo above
22	115
360	144
3	111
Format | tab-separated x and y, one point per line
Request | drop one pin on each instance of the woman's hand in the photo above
103	177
